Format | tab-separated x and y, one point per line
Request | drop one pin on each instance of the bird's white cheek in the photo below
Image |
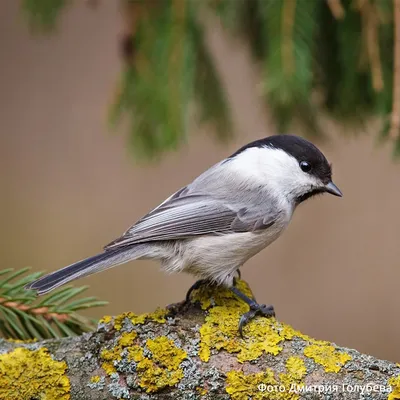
274	170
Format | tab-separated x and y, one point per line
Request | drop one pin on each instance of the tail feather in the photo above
89	266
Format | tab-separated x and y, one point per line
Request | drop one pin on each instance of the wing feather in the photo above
189	216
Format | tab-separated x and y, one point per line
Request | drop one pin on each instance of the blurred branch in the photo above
23	316
395	121
346	51
42	15
336	8
197	354
288	16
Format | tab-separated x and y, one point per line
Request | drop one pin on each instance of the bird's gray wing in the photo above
251	220
185	216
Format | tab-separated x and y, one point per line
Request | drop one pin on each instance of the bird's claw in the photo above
197	285
176	308
255	309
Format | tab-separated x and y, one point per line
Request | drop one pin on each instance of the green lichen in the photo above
395	384
325	354
28	374
156	368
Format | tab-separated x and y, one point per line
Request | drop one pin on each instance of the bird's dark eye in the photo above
305	166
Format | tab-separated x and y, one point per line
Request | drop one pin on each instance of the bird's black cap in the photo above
298	147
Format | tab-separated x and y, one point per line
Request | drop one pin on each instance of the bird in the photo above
212	226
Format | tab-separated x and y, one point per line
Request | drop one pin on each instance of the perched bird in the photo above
212	226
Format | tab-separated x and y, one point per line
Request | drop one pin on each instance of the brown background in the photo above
68	187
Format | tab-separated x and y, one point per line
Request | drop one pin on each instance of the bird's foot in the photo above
255	309
176	308
197	285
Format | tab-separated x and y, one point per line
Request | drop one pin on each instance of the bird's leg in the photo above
197	285
202	282
255	309
175	308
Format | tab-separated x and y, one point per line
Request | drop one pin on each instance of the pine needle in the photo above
22	316
335	56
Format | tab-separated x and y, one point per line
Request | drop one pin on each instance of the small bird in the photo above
212	226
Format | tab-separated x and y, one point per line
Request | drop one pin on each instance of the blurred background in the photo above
69	185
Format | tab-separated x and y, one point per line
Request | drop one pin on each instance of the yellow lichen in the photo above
138	319
127	339
162	369
165	352
157	316
153	378
264	385
21	341
209	295
118	320
296	368
289	333
95	379
395	384
109	356
243	387
292	379
135	353
262	335
27	374
324	353
220	330
106	319
157	370
201	391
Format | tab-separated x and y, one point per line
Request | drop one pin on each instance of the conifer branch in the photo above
288	15
24	316
346	50
336	8
370	32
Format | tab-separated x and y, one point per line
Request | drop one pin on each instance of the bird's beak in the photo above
333	189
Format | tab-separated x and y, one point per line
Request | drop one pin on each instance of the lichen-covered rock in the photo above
195	354
32	374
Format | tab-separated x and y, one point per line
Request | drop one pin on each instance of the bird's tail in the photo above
89	266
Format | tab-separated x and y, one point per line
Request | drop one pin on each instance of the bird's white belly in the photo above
218	257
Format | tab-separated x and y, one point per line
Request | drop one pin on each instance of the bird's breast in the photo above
231	249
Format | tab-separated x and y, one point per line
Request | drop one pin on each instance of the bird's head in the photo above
288	166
